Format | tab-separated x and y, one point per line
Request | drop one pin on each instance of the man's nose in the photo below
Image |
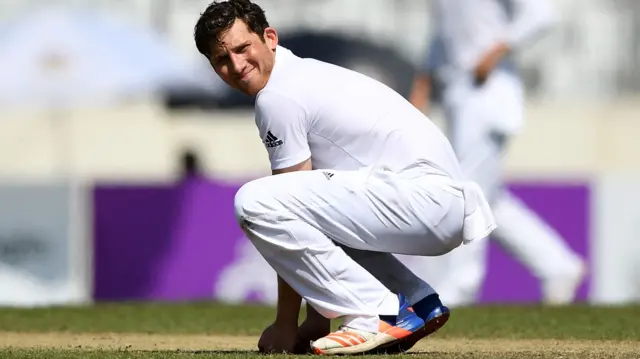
238	63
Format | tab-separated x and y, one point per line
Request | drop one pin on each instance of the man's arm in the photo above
289	301
283	126
421	92
288	307
435	59
489	61
315	325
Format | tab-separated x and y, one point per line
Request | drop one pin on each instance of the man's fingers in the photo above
302	347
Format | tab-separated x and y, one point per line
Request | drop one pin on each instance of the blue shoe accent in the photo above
437	313
432	311
435	316
426	305
406	319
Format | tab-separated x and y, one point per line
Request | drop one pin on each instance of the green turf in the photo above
508	322
99	354
123	354
575	322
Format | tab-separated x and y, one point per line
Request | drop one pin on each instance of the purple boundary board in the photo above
170	243
563	206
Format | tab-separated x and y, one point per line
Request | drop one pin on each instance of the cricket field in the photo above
210	330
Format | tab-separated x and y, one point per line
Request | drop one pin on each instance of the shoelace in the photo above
344	328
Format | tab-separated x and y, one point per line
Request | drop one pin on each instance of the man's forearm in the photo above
314	316
288	308
421	92
289	301
489	61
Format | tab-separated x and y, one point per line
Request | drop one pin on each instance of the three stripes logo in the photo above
328	175
271	140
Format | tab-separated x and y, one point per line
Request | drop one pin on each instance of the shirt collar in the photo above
283	56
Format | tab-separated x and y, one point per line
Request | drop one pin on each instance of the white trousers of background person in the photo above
481	120
294	218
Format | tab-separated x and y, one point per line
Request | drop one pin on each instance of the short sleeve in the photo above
283	127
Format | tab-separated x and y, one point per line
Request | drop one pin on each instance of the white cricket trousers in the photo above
293	220
482	120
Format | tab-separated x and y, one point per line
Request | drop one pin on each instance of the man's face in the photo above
242	59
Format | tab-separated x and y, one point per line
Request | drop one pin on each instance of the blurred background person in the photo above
470	63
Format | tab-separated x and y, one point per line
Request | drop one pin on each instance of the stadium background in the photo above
117	186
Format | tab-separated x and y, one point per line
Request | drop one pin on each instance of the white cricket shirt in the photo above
343	120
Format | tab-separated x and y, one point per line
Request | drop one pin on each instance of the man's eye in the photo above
220	59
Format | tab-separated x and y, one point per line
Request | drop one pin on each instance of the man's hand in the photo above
489	62
314	327
278	339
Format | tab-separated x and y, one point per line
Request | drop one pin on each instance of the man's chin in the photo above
249	90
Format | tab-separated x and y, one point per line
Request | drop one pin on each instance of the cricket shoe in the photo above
435	316
391	330
562	289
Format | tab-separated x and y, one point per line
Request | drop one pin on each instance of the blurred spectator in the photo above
190	165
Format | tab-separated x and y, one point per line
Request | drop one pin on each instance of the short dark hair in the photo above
219	16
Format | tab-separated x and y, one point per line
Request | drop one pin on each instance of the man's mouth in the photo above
246	75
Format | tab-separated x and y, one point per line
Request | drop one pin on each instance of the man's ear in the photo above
271	37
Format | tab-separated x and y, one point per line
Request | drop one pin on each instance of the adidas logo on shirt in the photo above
272	141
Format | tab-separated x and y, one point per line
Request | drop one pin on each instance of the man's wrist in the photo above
287	316
313	314
286	323
288	308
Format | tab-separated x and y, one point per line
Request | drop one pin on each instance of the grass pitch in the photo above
209	330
